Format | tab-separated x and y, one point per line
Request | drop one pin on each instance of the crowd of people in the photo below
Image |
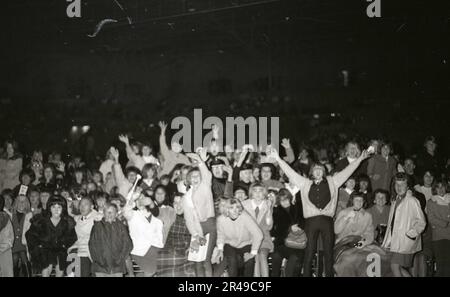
221	211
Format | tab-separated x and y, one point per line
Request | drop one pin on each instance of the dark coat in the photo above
47	243
109	245
283	219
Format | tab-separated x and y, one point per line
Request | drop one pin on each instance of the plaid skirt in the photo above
174	263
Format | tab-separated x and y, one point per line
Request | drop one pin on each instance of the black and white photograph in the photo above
237	141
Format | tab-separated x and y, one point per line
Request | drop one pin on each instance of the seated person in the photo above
355	220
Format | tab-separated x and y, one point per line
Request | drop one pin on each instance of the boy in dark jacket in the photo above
109	244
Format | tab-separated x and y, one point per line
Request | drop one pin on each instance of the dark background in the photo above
237	58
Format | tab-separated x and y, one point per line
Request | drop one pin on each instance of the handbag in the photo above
296	240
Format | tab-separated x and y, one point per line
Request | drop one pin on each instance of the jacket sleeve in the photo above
371	167
206	174
293	176
290	157
341	177
32	235
220	233
95	243
192	222
119	177
341	221
70	236
228	192
127	243
418	218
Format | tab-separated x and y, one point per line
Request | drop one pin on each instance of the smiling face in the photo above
350	184
258	193
217	171
358	203
318	172
266	173
380	199
352	150
234	211
240	195
245	175
195	178
22	203
146	150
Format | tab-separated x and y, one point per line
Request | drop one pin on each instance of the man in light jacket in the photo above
406	223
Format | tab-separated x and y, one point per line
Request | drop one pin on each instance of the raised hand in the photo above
285	142
364	155
163	126
124	138
194	157
114	153
271	152
215	130
203	153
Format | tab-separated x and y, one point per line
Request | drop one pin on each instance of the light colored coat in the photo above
408	216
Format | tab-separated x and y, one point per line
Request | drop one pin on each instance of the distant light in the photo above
85	129
287	18
193	29
316	116
74	129
333	115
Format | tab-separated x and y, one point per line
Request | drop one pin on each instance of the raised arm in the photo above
341	177
118	175
200	158
162	140
290	157
130	153
293	176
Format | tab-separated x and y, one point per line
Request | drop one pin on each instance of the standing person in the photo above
172	259
238	239
364	187
6	242
199	212
37	165
260	209
352	152
21	216
438	210
109	244
50	236
268	178
405	225
149	178
83	227
10	166
409	167
381	168
286	218
172	156
428	159
319	198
